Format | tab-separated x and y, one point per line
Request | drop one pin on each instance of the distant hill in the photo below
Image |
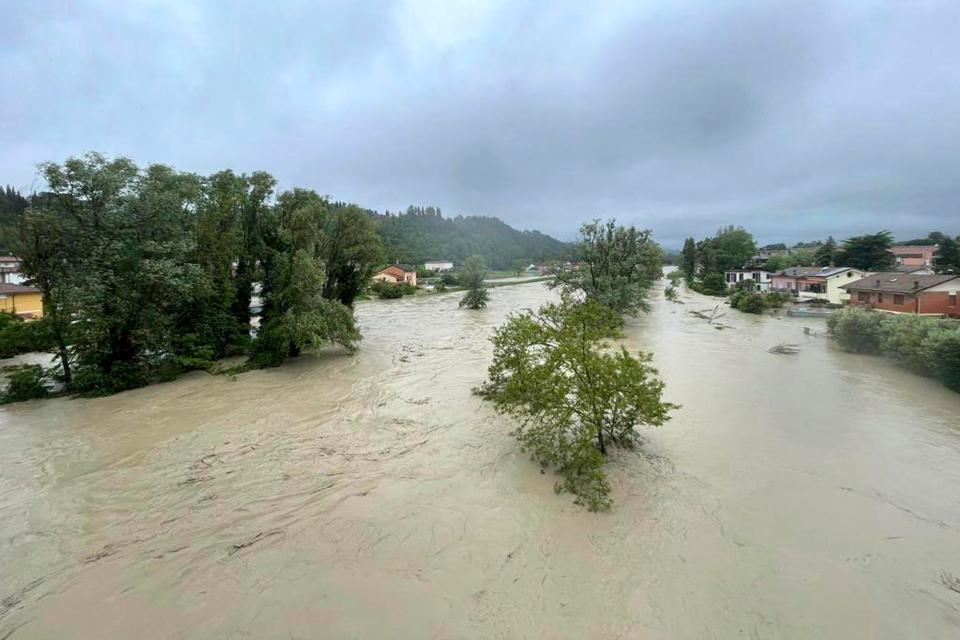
422	233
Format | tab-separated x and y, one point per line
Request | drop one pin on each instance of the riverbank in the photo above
374	496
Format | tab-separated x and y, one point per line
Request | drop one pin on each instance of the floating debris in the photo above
709	315
784	348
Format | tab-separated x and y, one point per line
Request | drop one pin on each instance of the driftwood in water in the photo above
709	315
785	349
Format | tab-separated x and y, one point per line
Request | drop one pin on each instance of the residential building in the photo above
397	273
438	265
10	272
826	284
897	292
760	278
915	255
26	302
788	280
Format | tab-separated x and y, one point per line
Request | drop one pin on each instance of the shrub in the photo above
711	284
856	330
748	302
947	352
387	290
24	382
407	289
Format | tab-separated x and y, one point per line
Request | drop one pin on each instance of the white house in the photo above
760	277
10	272
825	284
438	265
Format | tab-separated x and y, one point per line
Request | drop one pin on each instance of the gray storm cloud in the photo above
795	119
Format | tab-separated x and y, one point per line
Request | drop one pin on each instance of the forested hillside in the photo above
422	233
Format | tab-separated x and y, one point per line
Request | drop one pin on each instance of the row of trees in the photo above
147	272
556	372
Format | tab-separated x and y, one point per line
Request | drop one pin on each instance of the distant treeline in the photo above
422	233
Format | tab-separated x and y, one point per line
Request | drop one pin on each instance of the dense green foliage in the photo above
149	272
18	336
572	395
12	207
928	346
711	284
705	262
471	277
948	256
422	234
869	252
801	257
826	254
688	259
24	382
745	298
617	266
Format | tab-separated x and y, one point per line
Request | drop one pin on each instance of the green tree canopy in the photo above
471	277
868	252
617	267
573	396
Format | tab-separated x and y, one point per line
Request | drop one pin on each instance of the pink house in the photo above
915	256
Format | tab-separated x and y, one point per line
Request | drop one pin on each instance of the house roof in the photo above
747	270
896	282
440	260
17	288
9	259
902	268
403	268
796	272
826	272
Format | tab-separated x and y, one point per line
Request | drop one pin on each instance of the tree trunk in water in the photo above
603	446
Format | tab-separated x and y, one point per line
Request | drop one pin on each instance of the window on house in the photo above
952	299
756	276
879	297
897	299
863	296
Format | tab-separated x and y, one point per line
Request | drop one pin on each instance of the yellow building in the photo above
26	302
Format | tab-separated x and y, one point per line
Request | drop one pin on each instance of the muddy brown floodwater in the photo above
814	495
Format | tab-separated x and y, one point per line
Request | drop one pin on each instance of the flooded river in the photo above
807	496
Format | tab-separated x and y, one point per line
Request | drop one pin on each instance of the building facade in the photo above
827	284
396	274
438	265
26	302
896	292
915	255
759	277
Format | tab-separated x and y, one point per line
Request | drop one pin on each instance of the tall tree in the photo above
948	256
826	255
688	259
350	250
617	266
296	315
735	247
472	278
868	252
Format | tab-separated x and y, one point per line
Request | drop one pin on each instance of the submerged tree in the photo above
573	397
617	267
471	277
688	259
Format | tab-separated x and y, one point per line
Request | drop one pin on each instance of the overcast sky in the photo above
794	119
